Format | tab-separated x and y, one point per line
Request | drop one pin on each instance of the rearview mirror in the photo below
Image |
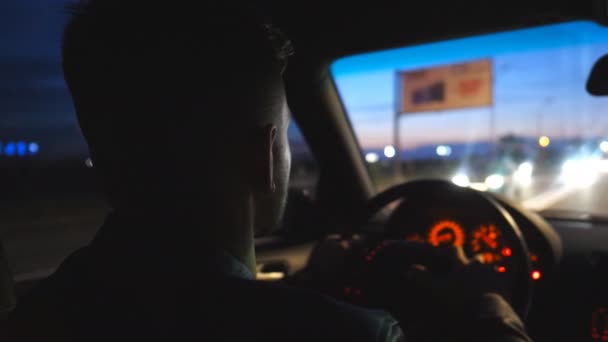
597	83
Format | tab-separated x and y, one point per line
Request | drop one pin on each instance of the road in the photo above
591	200
41	235
589	197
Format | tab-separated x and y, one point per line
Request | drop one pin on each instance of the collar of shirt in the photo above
229	265
162	241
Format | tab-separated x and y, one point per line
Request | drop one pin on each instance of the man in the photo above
185	114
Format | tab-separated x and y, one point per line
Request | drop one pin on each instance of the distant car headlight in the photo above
495	181
579	172
570	166
523	174
461	180
372	157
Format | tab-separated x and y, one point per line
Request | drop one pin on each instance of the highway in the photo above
590	196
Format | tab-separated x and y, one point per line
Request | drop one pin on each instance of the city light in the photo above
389	151
33	148
579	173
10	149
461	180
21	149
372	157
479	187
523	174
544	141
495	181
604	146
443	150
88	162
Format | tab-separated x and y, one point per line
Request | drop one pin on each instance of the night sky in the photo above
540	75
34	103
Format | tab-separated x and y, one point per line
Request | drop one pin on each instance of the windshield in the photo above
505	112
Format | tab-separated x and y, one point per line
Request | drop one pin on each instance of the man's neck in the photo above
241	246
233	234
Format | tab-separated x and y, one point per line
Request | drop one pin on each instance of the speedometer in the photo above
446	233
487	241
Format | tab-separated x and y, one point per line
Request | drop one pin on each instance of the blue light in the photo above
21	149
10	149
443	150
33	148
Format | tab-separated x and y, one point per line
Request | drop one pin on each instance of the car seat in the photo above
8	299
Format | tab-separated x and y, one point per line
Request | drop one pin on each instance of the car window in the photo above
48	188
304	168
42	150
505	112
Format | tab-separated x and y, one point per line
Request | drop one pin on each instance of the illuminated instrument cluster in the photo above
483	241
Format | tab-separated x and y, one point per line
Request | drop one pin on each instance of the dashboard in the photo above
570	301
480	236
573	305
483	241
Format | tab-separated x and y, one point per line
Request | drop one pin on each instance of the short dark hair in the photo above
141	71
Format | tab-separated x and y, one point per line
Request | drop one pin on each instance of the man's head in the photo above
182	104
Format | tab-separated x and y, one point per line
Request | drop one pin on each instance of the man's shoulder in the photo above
221	307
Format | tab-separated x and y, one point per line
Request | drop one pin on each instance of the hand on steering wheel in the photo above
447	263
433	289
428	288
450	296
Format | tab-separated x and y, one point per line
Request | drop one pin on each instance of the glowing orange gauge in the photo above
446	233
485	238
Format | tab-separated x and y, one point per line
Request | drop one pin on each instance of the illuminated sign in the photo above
446	87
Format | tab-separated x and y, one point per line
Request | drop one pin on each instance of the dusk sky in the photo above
34	103
538	72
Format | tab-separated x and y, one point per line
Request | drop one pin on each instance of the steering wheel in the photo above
439	199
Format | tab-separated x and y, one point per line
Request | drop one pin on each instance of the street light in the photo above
389	151
461	180
544	141
443	150
33	148
495	181
372	157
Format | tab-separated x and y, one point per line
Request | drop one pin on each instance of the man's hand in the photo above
467	280
458	302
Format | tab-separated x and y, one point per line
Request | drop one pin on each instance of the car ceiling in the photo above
325	31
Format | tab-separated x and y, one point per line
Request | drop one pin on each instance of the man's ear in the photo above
264	169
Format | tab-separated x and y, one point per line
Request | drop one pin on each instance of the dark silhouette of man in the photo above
184	111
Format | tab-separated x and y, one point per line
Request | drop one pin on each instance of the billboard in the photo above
446	87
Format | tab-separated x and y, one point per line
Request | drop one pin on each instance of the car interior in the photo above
344	224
